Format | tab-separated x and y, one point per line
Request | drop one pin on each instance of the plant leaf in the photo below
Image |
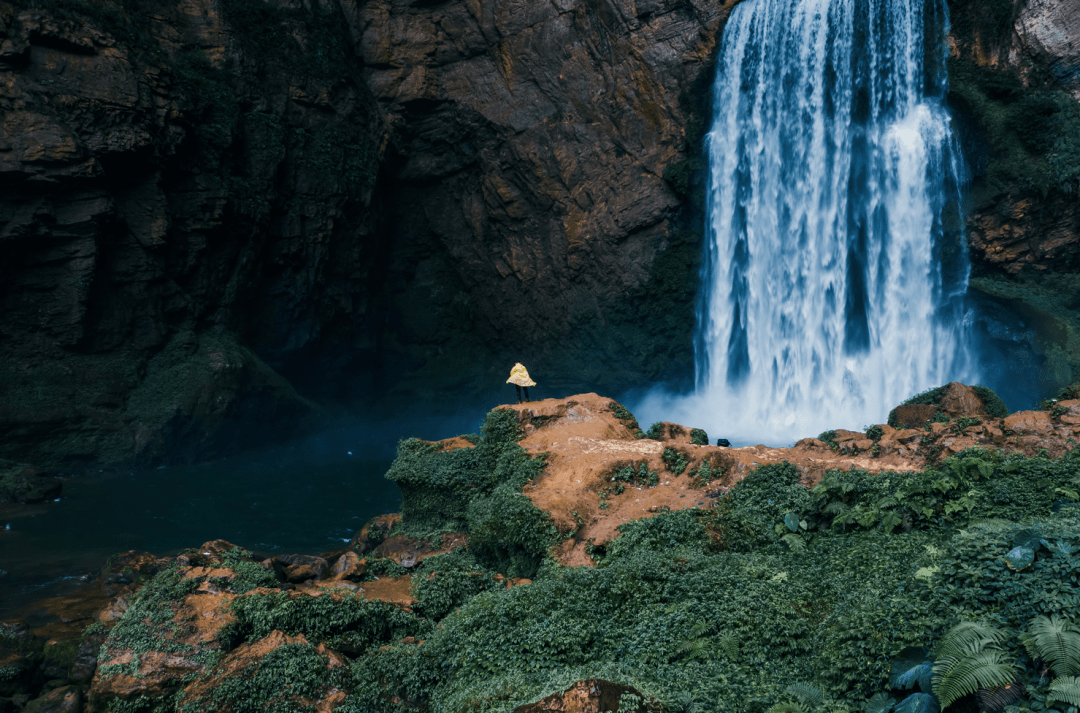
807	693
792	521
1020	558
879	703
1065	688
912	665
918	703
1056	641
972	670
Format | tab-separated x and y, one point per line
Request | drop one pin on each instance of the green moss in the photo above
148	624
932	397
1031	133
289	678
329	618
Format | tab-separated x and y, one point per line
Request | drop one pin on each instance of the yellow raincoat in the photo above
520	376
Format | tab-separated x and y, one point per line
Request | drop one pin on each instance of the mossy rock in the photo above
928	405
21	483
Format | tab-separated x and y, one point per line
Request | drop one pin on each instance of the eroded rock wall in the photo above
541	147
220	216
182	209
1014	78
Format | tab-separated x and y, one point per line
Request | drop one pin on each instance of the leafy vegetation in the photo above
952	588
1031	132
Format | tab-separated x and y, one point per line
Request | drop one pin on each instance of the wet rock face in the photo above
533	141
1030	234
179	215
206	219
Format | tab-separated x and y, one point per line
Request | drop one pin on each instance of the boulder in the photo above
961	400
301	568
593	695
913	414
66	699
349	566
20	483
1029	422
372	534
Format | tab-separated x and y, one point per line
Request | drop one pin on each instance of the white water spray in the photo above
834	267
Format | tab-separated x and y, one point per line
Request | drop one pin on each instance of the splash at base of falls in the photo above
834	269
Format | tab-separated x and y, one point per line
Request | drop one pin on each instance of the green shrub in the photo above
748	516
289	678
327	617
508	533
445	582
699	437
674	460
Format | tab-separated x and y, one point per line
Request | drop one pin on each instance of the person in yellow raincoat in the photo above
519	377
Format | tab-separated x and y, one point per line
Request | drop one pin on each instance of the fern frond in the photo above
807	693
788	707
729	645
879	703
890	521
957	677
1067	689
995	699
992	524
794	542
696	649
1056	641
836	507
955	642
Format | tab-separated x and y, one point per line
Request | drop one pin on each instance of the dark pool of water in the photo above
302	498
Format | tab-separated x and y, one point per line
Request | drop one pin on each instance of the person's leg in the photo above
526	393
518	392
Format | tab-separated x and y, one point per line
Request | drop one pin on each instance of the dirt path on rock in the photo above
586	444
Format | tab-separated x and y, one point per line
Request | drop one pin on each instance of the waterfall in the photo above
835	269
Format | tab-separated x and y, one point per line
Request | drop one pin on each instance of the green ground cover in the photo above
844	597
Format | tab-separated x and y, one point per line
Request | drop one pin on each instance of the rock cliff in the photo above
221	216
1015	95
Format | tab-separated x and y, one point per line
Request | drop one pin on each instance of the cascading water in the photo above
834	268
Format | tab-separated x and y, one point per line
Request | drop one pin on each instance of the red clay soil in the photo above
586	443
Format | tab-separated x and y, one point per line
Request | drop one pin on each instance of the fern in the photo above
972	669
729	645
806	693
1067	689
956	640
1056	641
794	542
995	699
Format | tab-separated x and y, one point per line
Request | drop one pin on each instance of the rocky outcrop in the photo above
593	695
540	149
223	214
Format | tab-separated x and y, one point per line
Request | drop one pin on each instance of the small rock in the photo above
67	699
308	566
349	566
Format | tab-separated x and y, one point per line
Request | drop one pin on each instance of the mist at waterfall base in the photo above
835	271
306	496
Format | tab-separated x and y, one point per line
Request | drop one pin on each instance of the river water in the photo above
308	496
